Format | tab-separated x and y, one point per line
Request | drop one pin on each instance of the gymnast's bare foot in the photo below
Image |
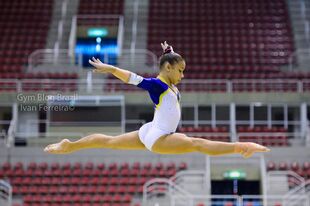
62	147
247	149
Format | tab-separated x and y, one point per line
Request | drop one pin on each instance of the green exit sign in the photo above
97	32
234	174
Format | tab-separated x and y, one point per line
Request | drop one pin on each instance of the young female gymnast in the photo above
158	136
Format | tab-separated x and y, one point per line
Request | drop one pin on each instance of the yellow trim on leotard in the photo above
161	98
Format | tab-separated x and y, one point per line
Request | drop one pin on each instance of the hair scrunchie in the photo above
168	50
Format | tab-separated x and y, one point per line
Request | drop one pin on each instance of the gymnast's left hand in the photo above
101	67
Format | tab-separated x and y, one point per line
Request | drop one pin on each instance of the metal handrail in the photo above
149	184
200	198
300	188
186	83
295	54
5	186
51	57
183	173
278	198
300	179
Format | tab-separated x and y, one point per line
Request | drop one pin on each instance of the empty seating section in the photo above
83	183
24	26
224	39
274	136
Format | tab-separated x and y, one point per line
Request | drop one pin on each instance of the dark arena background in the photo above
247	78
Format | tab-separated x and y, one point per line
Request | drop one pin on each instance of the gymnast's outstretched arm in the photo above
100	67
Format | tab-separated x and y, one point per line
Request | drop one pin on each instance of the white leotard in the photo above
167	109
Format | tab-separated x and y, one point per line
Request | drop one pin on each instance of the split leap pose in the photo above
158	136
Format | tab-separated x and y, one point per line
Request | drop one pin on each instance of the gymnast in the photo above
159	135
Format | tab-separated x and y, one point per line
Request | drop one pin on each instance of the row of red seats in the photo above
288	165
19	4
201	129
83	189
272	141
76	204
70	175
91	166
84	181
213	138
260	129
78	199
39	75
80	190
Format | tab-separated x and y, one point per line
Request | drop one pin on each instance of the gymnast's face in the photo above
176	73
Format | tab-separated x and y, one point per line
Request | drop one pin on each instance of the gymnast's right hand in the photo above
62	147
247	149
101	67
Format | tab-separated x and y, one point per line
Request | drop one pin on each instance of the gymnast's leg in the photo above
178	143
127	141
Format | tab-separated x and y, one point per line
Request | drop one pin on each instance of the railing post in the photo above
304	126
134	25
120	35
240	201
300	86
229	86
72	37
56	52
232	124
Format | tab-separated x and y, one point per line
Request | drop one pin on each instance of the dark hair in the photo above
170	57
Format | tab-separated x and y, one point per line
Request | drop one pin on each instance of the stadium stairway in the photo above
142	20
298	26
71	10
